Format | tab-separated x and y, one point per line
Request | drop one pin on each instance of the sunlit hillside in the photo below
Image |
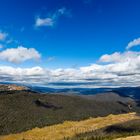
130	138
69	129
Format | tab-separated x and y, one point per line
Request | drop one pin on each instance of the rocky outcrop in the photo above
12	87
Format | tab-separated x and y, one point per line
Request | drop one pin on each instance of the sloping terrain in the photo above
130	138
69	129
24	110
114	131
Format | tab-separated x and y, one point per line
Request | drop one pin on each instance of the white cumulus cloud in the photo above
120	57
122	71
117	70
44	22
19	54
51	20
133	43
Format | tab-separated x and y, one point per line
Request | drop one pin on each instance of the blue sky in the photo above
67	33
90	30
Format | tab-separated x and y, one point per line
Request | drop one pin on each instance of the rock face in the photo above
15	87
12	87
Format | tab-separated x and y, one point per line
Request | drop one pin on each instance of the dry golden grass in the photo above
70	128
130	138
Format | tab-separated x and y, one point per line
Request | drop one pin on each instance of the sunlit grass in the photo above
70	128
130	138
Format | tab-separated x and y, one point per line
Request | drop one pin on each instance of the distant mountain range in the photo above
133	92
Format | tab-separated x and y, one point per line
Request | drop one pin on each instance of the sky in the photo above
77	41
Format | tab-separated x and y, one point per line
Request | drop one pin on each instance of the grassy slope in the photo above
130	138
19	111
70	129
128	128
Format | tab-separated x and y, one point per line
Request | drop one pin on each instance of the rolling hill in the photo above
22	109
70	129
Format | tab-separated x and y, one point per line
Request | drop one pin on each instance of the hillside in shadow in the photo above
24	110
